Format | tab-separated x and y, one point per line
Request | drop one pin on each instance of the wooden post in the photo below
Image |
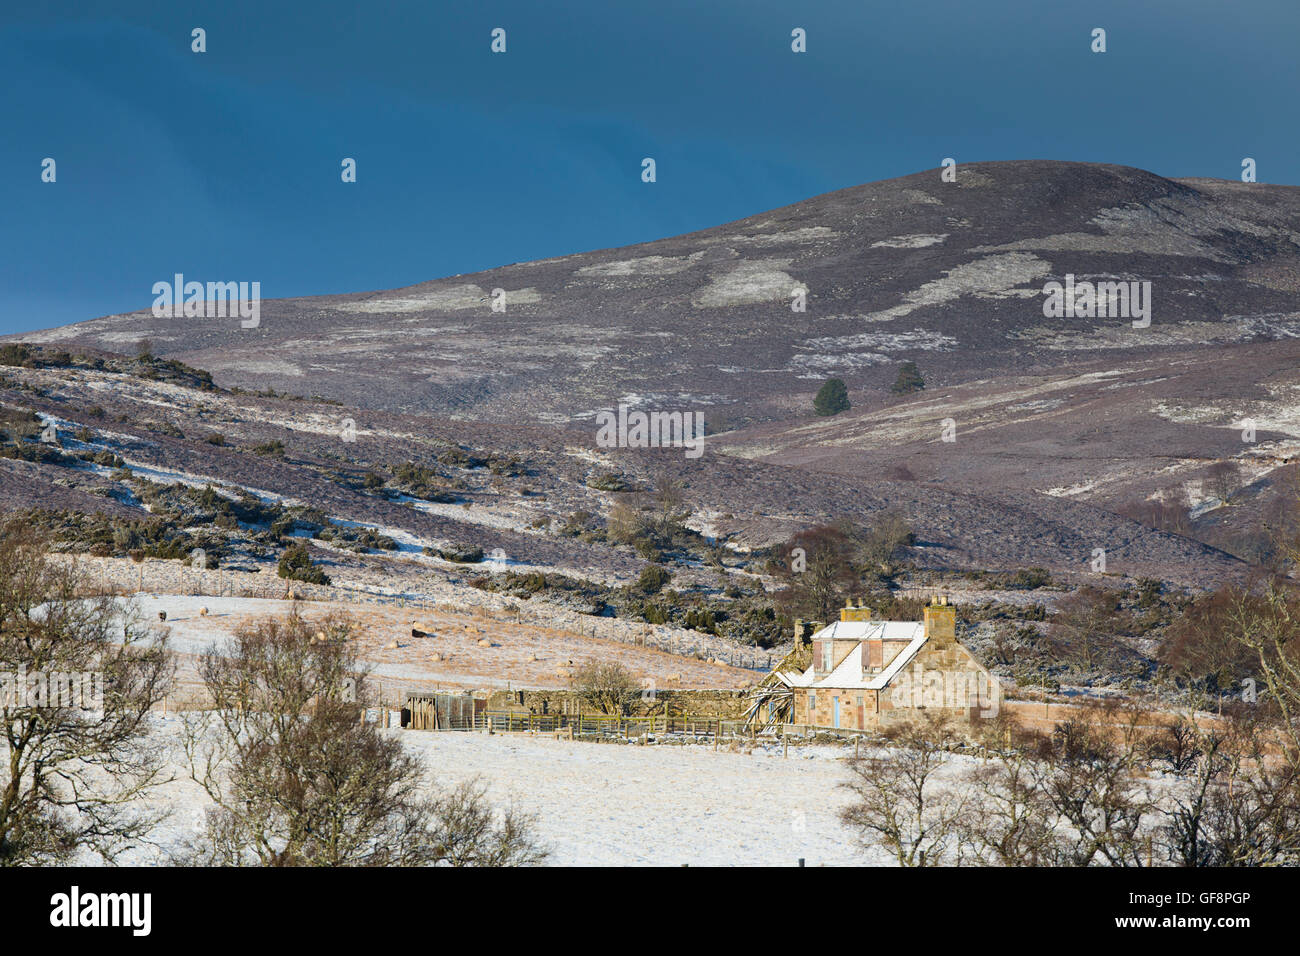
785	745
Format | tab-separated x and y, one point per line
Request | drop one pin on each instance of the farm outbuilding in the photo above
439	711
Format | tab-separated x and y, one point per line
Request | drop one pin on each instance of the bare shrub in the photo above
298	780
606	685
1170	512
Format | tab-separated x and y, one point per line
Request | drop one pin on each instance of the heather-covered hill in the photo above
949	274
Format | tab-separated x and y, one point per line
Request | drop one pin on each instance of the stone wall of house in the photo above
943	676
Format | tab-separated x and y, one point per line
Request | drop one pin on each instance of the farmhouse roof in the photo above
850	673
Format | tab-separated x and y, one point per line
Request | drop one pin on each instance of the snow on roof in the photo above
898	663
873	630
849	674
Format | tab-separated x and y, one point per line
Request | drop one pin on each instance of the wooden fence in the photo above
583	725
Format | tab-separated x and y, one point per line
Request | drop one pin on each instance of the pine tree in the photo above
909	379
832	398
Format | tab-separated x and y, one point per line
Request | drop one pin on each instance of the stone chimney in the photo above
941	621
851	613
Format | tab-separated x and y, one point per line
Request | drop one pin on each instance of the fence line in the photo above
598	725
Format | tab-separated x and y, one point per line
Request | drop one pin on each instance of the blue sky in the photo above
225	165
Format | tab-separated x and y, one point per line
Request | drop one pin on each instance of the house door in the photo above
835	702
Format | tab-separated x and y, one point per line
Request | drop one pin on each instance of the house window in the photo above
826	655
812	700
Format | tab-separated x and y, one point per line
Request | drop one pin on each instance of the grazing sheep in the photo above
391	646
162	615
203	611
485	643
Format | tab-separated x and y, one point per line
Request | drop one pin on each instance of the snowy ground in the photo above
615	805
624	805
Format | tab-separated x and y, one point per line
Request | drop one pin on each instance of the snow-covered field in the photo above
624	805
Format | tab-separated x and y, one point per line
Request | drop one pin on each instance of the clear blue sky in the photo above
225	165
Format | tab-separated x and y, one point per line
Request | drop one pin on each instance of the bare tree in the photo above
816	566
899	802
1084	622
78	677
1266	622
606	685
1223	480
1011	820
1096	797
1233	804
298	780
879	546
670	507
